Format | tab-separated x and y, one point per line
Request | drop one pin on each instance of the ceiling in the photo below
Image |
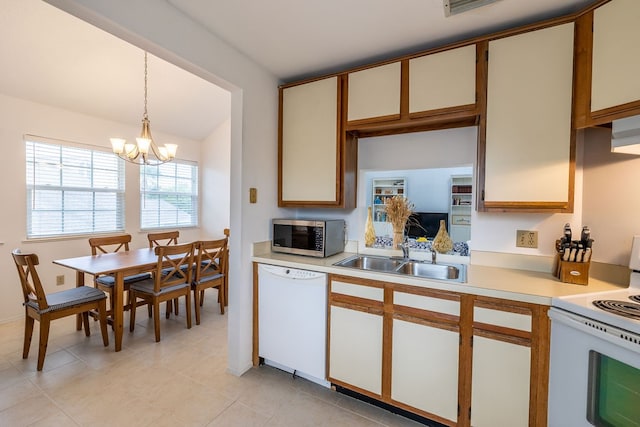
296	39
50	57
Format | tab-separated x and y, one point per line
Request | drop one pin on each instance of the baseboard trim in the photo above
388	407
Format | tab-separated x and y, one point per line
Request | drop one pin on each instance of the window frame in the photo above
193	195
33	187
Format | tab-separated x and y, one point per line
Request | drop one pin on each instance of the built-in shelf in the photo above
383	189
460	206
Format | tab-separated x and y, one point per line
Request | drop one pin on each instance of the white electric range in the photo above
594	370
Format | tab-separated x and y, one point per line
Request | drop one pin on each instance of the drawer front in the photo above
360	291
502	318
438	305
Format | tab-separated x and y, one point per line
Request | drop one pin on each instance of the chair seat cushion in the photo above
69	298
111	280
208	279
146	287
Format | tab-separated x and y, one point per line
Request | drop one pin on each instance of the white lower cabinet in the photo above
500	383
356	348
424	371
457	359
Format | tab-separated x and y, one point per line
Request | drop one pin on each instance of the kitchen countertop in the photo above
507	283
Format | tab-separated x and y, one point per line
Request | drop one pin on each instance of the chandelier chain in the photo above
146	116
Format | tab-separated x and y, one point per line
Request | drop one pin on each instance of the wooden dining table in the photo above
118	264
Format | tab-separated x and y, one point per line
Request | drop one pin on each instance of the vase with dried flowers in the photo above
398	210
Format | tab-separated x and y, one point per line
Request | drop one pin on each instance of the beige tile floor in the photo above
180	381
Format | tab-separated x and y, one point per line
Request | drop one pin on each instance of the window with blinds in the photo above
169	195
72	190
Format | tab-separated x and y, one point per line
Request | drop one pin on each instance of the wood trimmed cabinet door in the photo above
316	161
443	82
509	364
355	336
374	94
425	355
526	150
615	87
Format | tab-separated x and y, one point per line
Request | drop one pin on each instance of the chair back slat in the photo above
108	244
163	239
174	265
31	286
211	258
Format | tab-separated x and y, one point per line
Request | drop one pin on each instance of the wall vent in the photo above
454	7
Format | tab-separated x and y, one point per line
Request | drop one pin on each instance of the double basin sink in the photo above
407	267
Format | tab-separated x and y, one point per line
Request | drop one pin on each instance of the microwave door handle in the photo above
345	234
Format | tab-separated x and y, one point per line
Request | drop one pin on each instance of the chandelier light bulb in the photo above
143	145
117	144
171	150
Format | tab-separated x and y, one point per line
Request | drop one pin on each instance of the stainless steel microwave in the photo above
317	238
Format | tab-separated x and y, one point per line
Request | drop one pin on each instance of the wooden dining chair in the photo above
106	283
170	280
165	238
45	308
210	265
226	271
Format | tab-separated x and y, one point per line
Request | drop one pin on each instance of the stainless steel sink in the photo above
449	272
365	262
430	271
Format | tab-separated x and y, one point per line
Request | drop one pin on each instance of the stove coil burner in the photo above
627	309
635	298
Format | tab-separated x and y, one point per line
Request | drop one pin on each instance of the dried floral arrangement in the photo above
398	209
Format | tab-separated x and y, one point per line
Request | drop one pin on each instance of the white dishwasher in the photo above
292	320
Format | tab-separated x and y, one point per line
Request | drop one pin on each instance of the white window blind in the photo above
72	190
169	195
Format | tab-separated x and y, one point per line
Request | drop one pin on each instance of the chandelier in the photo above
144	151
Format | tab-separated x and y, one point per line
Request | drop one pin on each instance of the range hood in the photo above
625	135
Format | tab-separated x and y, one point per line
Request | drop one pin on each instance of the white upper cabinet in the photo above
616	54
528	126
442	80
309	169
375	93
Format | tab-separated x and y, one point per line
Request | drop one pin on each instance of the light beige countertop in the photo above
508	283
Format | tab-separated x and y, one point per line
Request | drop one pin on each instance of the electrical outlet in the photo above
526	238
60	280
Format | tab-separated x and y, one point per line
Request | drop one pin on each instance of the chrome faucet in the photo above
405	248
433	256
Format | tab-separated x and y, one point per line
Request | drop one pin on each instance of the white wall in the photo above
19	117
611	198
158	28
216	182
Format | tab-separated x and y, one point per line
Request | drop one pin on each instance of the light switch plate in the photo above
526	239
253	195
